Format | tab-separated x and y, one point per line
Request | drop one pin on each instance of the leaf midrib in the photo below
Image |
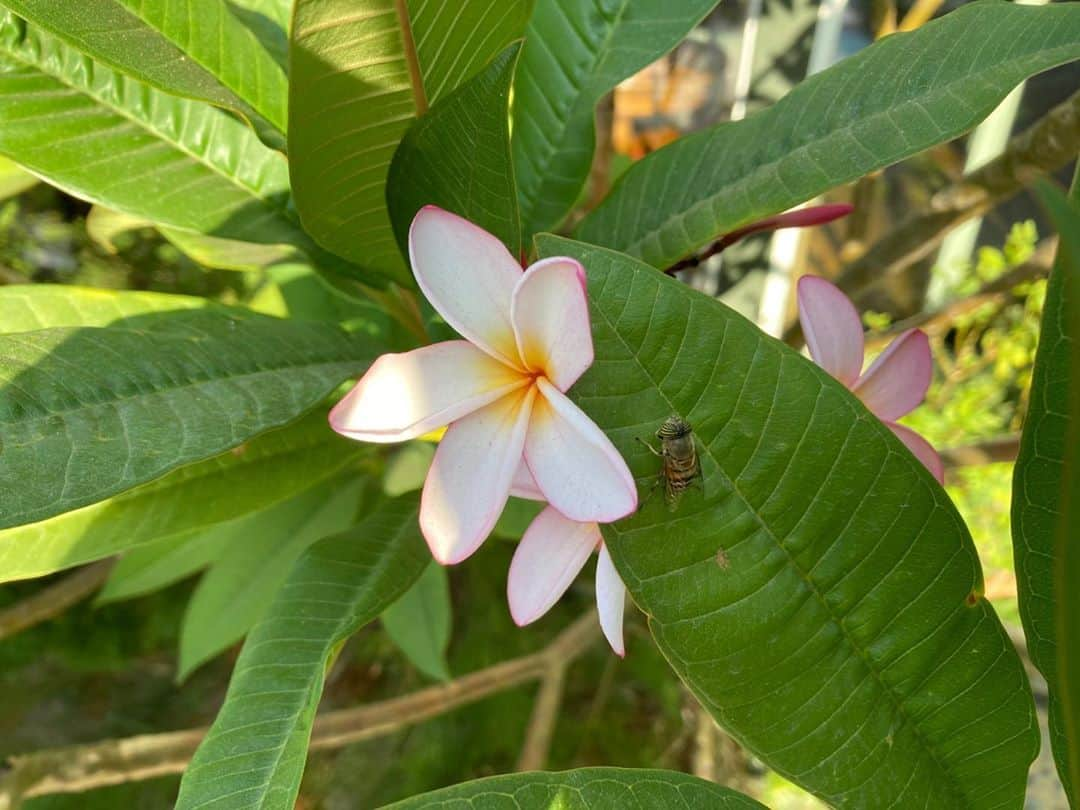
738	186
144	124
898	704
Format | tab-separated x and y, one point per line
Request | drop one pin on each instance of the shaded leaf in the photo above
1045	496
419	622
357	83
458	158
192	48
257	557
846	642
903	94
582	789
88	412
338	585
574	54
262	472
155	565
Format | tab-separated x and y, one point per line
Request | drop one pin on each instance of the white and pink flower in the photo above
501	390
894	384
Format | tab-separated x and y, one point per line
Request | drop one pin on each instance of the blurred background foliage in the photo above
108	671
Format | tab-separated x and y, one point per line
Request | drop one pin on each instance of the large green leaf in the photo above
897	97
253	476
1044	509
358	80
110	139
88	412
584	789
419	622
269	21
458	158
193	48
29	307
846	641
574	54
254	754
244	578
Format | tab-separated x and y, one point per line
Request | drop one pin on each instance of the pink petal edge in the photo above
898	379
549	557
832	328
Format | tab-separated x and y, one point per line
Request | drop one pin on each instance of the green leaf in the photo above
583	789
846	642
256	559
897	97
1045	496
358	80
408	467
197	49
419	622
268	20
110	139
29	307
574	54
13	179
458	158
153	566
255	475
88	412
254	754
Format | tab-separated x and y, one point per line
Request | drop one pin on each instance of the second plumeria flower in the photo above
501	390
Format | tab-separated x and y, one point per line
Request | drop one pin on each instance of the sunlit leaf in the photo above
153	566
583	789
358	81
253	476
574	54
87	412
895	98
198	49
845	639
337	586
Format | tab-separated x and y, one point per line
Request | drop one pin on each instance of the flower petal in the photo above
524	485
897	380
469	480
921	449
576	466
469	276
403	396
832	328
550	313
610	601
798	218
551	553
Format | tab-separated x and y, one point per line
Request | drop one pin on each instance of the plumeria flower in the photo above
894	384
501	390
548	559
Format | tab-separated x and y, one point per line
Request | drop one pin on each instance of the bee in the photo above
679	454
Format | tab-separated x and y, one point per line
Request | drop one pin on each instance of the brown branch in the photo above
1046	146
989	451
77	768
941	320
545	715
53	599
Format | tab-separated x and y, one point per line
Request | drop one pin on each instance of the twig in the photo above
940	320
54	599
77	768
1045	147
990	451
545	714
